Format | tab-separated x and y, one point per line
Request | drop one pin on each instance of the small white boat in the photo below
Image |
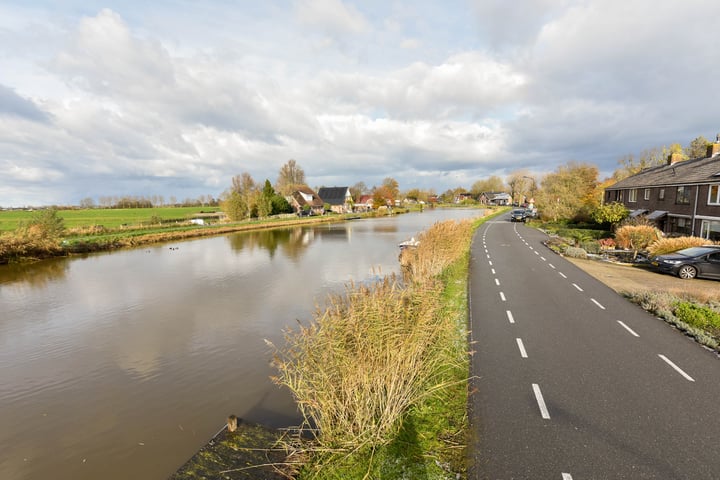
412	243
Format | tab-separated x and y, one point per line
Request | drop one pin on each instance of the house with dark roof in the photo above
338	198
495	198
304	199
681	197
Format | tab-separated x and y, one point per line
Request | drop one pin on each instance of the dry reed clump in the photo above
368	357
669	245
376	351
636	237
439	246
25	245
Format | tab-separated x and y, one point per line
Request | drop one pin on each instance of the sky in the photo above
174	97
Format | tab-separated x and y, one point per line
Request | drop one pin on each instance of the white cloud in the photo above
139	99
105	58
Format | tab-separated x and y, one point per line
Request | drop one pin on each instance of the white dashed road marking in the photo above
676	368
632	332
541	401
577	286
521	346
510	316
597	303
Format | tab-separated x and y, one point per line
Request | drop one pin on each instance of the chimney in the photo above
714	148
674	158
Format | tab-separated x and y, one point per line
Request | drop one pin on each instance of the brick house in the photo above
681	197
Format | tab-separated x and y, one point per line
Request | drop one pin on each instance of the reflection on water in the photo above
293	241
121	365
35	275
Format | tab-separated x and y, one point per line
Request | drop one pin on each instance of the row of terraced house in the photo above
681	197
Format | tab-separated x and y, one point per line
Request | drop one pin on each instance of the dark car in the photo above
690	262
517	215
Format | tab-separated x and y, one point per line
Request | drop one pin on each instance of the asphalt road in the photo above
572	382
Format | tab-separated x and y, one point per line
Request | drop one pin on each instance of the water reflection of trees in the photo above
36	275
292	241
391	228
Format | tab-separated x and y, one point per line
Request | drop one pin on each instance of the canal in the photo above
122	365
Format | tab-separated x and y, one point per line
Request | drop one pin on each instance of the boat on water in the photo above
412	243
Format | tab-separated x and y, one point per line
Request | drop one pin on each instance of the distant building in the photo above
495	198
338	198
304	199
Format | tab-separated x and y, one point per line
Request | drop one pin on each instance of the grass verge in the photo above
696	316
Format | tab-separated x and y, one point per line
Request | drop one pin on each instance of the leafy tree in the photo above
697	148
234	206
610	213
280	205
389	191
570	192
289	177
490	184
241	200
378	199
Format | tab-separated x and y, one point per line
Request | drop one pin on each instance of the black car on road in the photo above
518	215
690	262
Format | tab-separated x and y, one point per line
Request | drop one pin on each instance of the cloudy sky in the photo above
174	97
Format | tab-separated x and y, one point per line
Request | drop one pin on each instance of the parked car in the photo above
690	262
518	215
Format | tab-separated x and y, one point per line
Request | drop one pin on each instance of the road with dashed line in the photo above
572	382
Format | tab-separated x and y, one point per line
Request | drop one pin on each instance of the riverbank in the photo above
28	247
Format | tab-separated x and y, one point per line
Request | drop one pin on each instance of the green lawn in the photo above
108	218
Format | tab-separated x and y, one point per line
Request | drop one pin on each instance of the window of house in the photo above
620	195
714	195
661	194
680	225
710	229
646	195
683	195
632	195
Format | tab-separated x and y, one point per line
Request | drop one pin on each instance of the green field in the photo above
108	218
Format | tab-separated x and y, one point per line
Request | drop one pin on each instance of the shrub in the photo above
45	224
610	213
697	315
591	246
607	243
636	237
669	245
575	252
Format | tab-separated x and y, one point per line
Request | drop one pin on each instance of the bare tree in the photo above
289	176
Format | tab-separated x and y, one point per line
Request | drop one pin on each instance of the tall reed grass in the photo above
376	352
670	245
